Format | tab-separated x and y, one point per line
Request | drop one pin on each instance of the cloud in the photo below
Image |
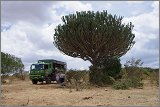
135	2
146	37
100	5
72	6
27	30
36	12
146	20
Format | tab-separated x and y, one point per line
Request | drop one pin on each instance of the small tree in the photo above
132	67
134	72
133	63
11	64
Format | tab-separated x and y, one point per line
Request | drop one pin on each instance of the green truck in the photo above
46	70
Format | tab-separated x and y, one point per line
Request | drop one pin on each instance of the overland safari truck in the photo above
46	70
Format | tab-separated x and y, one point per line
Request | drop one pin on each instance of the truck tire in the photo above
34	81
48	80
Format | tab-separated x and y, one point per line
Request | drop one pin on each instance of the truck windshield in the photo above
37	66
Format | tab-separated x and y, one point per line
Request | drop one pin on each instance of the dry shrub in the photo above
146	74
21	76
98	77
78	79
121	84
154	78
6	81
135	75
132	77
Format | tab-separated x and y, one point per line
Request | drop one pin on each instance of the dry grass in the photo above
25	93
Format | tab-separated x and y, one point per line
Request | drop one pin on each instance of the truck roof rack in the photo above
52	60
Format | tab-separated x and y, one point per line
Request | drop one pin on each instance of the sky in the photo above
27	29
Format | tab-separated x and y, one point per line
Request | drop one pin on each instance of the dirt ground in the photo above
25	93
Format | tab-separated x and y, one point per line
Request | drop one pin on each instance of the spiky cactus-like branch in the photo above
93	36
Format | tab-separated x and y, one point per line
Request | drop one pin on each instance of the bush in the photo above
111	66
20	76
77	79
6	81
135	82
135	76
100	78
146	74
106	72
152	75
95	76
131	77
122	84
154	78
4	77
126	83
107	80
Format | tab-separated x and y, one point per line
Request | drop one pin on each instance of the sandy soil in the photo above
25	93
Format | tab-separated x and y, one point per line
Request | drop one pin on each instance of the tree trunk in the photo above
95	73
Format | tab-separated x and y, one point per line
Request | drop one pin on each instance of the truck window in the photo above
33	67
37	67
45	66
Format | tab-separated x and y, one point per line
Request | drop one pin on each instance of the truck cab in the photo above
45	70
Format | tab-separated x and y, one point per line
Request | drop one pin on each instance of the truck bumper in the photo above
37	77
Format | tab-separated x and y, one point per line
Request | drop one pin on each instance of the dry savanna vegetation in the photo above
19	90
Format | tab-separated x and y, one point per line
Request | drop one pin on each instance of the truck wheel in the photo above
48	80
34	81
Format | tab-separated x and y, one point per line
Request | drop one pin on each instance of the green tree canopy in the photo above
93	36
10	64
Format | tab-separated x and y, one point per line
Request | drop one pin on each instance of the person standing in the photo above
62	78
57	77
